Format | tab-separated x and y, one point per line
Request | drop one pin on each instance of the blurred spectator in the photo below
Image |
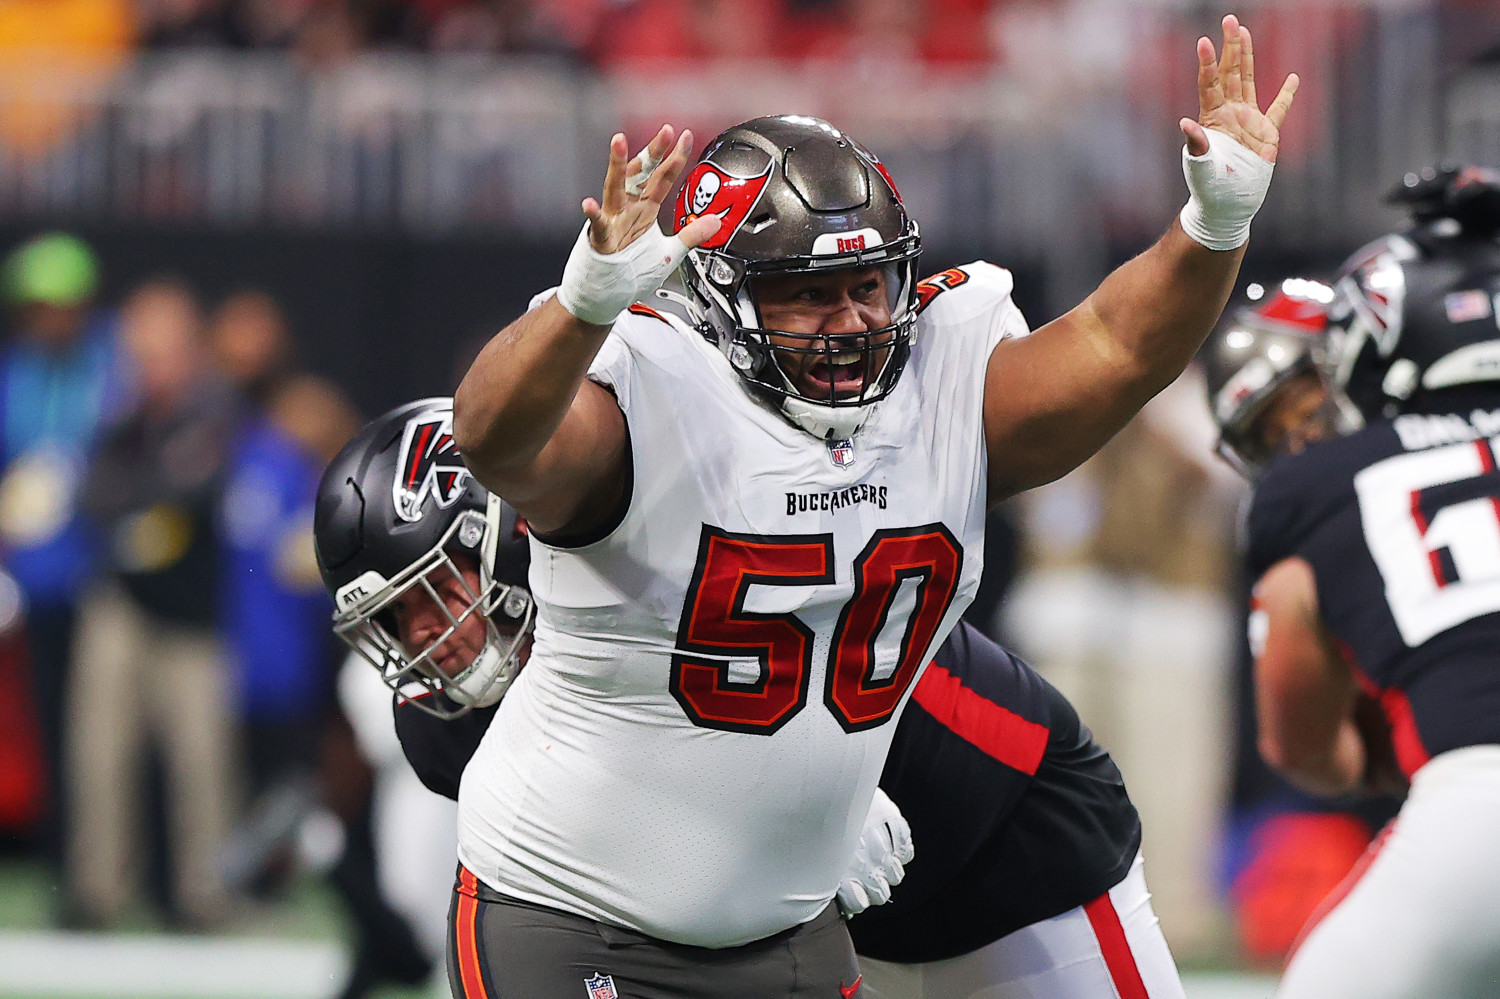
56	58
327	37
275	611
1124	606
180	23
251	344
487	26
852	32
59	382
656	30
149	671
935	31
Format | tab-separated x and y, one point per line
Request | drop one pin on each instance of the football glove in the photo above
880	860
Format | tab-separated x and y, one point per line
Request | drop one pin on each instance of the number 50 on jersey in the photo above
716	628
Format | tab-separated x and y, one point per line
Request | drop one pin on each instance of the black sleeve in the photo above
1271	527
1000	845
438	750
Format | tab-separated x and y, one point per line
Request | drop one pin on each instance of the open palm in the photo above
1226	97
619	217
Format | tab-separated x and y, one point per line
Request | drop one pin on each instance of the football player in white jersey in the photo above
1031	869
751	529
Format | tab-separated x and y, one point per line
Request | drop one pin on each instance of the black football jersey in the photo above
1016	813
1401	525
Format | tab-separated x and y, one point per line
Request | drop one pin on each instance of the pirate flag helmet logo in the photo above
710	190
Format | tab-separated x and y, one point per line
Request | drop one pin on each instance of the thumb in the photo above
1197	139
700	229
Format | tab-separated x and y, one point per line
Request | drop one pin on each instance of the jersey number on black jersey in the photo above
867	672
1432	522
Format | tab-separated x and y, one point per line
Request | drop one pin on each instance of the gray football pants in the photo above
501	948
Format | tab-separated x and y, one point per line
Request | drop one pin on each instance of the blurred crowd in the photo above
599	32
167	627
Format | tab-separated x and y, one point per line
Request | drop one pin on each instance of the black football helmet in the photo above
1254	352
393	509
1415	312
796	195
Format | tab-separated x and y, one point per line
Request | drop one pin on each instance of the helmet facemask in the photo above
796	196
368	625
724	294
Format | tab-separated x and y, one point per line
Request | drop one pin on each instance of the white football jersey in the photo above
692	748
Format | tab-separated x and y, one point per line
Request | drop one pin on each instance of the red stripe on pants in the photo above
466	938
1115	948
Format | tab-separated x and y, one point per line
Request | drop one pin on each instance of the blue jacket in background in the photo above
52	408
275	612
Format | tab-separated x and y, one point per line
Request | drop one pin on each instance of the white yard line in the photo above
167	967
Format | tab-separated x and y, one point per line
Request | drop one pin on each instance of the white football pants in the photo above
1111	948
1423	919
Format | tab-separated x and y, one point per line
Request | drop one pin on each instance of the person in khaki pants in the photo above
148	665
141	681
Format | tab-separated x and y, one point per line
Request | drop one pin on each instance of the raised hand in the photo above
1226	97
620	217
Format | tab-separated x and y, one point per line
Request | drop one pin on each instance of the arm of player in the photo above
879	862
529	423
1053	398
1305	693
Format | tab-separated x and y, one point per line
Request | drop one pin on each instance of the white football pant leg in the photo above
1423	920
1071	956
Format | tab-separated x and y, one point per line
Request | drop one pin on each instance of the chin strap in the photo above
485	681
826	423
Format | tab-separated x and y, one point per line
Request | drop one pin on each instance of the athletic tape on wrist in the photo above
596	287
1226	186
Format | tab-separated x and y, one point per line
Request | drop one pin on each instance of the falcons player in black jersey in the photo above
1030	866
1376	542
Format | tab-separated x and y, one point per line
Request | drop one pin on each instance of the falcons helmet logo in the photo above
429	466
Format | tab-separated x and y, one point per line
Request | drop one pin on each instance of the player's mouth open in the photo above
841	378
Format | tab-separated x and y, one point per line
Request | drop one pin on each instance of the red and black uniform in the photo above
1017	814
1401	525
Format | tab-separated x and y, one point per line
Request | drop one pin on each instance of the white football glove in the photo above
880	860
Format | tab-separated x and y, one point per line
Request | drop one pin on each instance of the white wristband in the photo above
596	287
1226	186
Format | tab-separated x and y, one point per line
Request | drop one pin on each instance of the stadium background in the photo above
399	176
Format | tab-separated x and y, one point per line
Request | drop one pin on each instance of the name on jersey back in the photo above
1419	431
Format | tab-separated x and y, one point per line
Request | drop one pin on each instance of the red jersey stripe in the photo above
995	730
1411	755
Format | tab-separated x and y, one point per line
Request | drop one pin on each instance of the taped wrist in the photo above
596	287
1226	186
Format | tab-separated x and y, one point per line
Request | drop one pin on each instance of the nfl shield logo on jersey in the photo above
842	452
601	987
